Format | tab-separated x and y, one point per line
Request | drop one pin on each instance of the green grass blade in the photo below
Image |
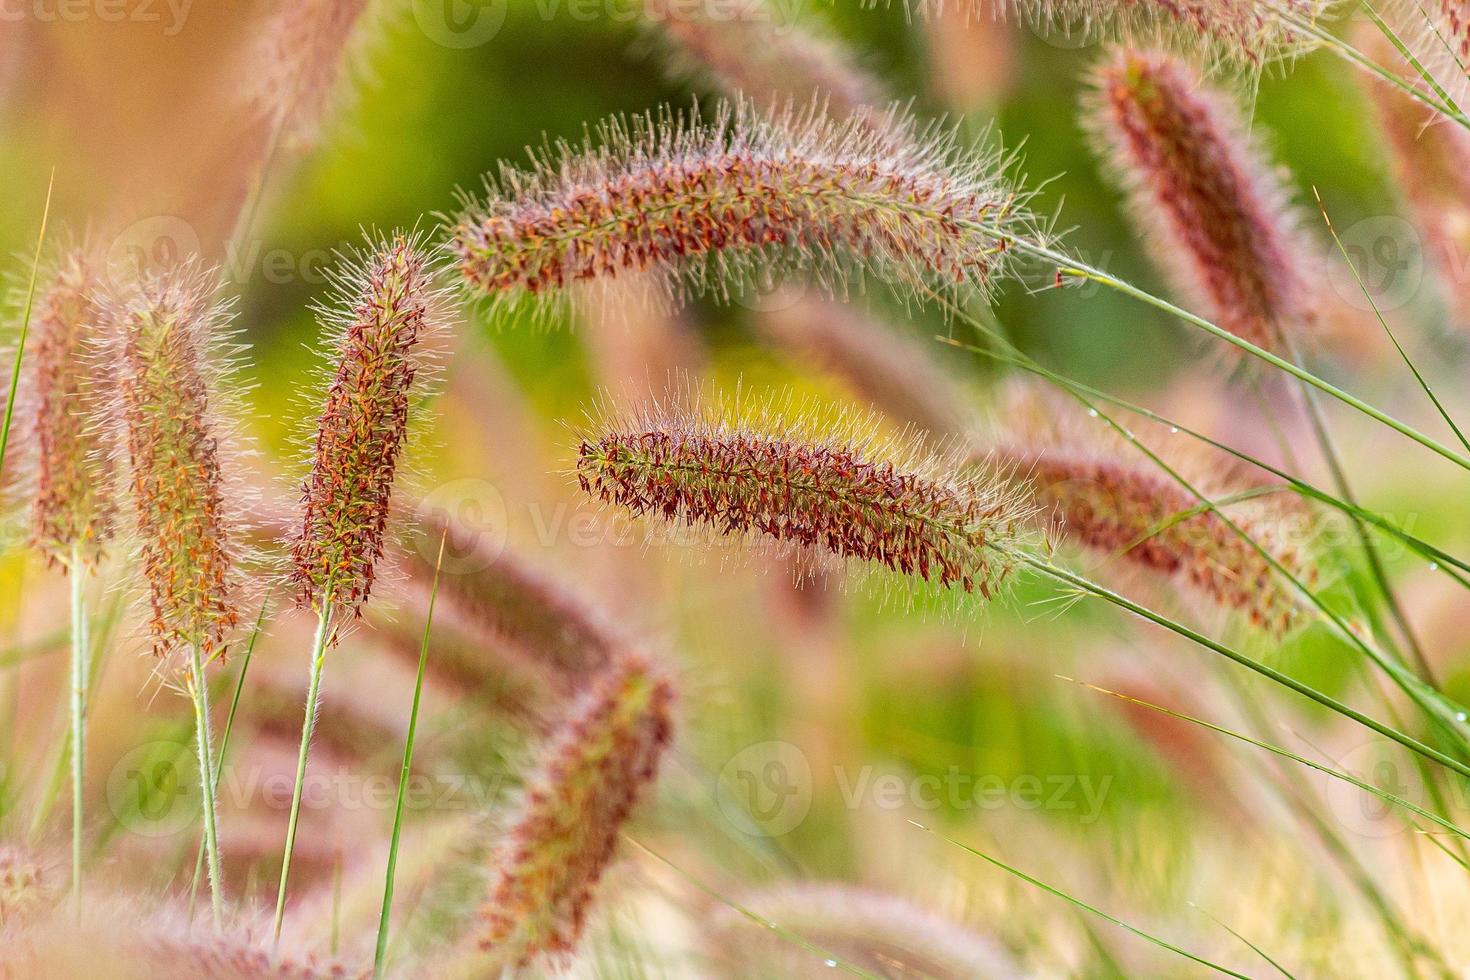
1346	777
831	959
1050	890
25	324
1363	287
313	693
380	954
1443	560
1102	592
1258	950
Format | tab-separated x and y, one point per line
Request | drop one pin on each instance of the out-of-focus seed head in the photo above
1106	496
167	349
771	476
753	50
714	207
385	312
74	506
590	776
869	930
1216	215
883	367
295	61
504	603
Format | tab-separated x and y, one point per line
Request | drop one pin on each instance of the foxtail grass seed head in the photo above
1216	214
168	354
850	495
384	311
1235	33
295	63
720	205
75	493
1107	497
591	775
755	51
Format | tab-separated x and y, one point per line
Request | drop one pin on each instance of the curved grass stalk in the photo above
1087	586
776	928
25	324
208	777
313	694
1254	948
1069	266
1346	777
1051	890
1440	101
1449	716
1442	560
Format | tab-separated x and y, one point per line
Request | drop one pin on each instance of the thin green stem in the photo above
1434	704
313	692
1066	577
25	323
207	780
1070	266
1440	101
79	678
1445	561
1052	890
224	744
1284	753
380	955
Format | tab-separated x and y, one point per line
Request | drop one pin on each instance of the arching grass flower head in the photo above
771	477
714	206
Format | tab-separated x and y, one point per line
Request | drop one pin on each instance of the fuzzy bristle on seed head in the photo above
293	66
1437	34
74	507
770	476
755	51
715	206
384	311
166	349
591	774
1235	33
1217	216
1106	496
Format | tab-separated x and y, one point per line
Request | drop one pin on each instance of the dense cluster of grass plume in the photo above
587	704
